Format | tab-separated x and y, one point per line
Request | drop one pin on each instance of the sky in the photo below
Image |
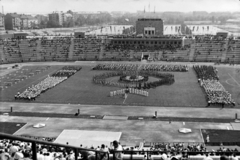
48	6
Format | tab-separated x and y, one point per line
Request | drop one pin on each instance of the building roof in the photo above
20	33
68	15
15	15
23	16
197	22
233	20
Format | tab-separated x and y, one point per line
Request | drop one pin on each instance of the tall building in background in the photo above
149	26
2	23
32	22
57	18
12	21
24	21
54	18
62	18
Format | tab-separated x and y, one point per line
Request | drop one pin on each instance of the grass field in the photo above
10	127
79	89
227	137
230	79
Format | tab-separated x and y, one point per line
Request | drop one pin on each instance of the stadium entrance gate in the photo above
145	56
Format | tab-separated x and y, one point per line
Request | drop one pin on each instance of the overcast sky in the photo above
47	6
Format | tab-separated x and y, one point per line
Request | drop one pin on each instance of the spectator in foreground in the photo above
117	147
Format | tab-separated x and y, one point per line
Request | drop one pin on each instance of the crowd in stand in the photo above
82	45
58	48
209	80
209	39
144	67
56	41
209	48
233	51
140	47
18	150
31	93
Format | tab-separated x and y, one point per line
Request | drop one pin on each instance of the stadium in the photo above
162	91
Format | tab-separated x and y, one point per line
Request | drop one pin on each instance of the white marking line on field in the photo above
20	129
230	83
124	100
234	79
201	135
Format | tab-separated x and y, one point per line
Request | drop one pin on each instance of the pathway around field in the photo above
218	113
132	131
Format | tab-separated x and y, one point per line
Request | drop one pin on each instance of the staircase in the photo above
101	50
224	54
71	48
160	53
38	49
191	52
131	52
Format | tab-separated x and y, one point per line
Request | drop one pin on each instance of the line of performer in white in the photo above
129	90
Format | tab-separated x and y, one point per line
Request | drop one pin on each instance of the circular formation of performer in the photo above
138	80
133	78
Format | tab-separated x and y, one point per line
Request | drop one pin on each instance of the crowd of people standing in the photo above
144	67
31	93
209	80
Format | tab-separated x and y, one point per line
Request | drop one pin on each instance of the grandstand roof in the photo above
197	22
149	19
22	33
